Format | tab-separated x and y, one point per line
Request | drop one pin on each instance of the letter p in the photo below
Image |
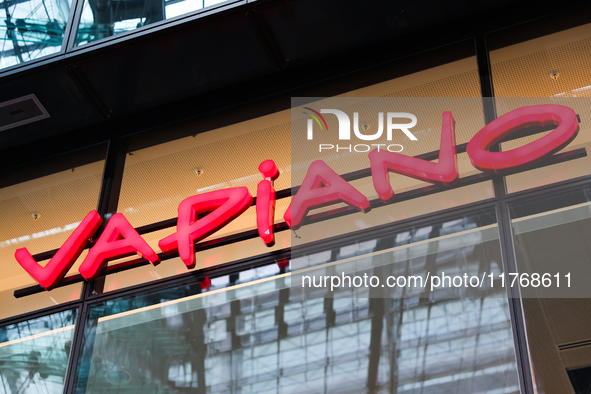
332	284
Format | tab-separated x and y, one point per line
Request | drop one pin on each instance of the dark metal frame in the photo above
131	34
505	229
69	47
111	185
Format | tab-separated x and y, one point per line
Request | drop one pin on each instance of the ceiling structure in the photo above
229	58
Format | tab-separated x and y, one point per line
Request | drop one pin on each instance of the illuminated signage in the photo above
265	205
65	257
445	172
202	215
538	115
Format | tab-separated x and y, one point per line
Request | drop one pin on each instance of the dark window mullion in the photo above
504	221
107	205
72	26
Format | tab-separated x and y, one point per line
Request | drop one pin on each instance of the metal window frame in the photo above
68	47
107	205
520	343
72	48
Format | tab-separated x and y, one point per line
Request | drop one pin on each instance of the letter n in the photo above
321	187
445	172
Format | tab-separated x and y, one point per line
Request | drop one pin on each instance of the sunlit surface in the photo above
31	29
105	18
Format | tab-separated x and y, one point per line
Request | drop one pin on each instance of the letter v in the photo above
50	275
445	172
322	187
223	206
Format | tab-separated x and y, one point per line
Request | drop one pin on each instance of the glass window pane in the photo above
551	234
31	29
553	69
105	18
183	168
34	354
12	306
39	215
202	163
259	337
428	111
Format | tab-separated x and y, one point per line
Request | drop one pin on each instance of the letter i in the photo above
265	205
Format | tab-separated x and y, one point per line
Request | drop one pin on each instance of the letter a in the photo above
321	187
50	275
223	207
445	172
119	239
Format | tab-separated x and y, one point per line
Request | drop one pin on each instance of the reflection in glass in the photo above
34	354
551	234
104	18
256	337
31	29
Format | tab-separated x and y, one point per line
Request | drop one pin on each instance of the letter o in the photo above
360	281
371	281
536	115
395	151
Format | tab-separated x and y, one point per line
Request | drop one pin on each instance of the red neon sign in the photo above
537	115
222	207
119	239
54	271
265	205
445	172
321	187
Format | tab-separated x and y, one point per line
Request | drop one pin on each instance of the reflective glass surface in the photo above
105	18
551	234
248	333
31	29
34	354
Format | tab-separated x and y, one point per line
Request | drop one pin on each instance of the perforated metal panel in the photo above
522	77
61	200
154	184
520	72
229	157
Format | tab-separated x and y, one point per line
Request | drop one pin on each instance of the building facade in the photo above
132	107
